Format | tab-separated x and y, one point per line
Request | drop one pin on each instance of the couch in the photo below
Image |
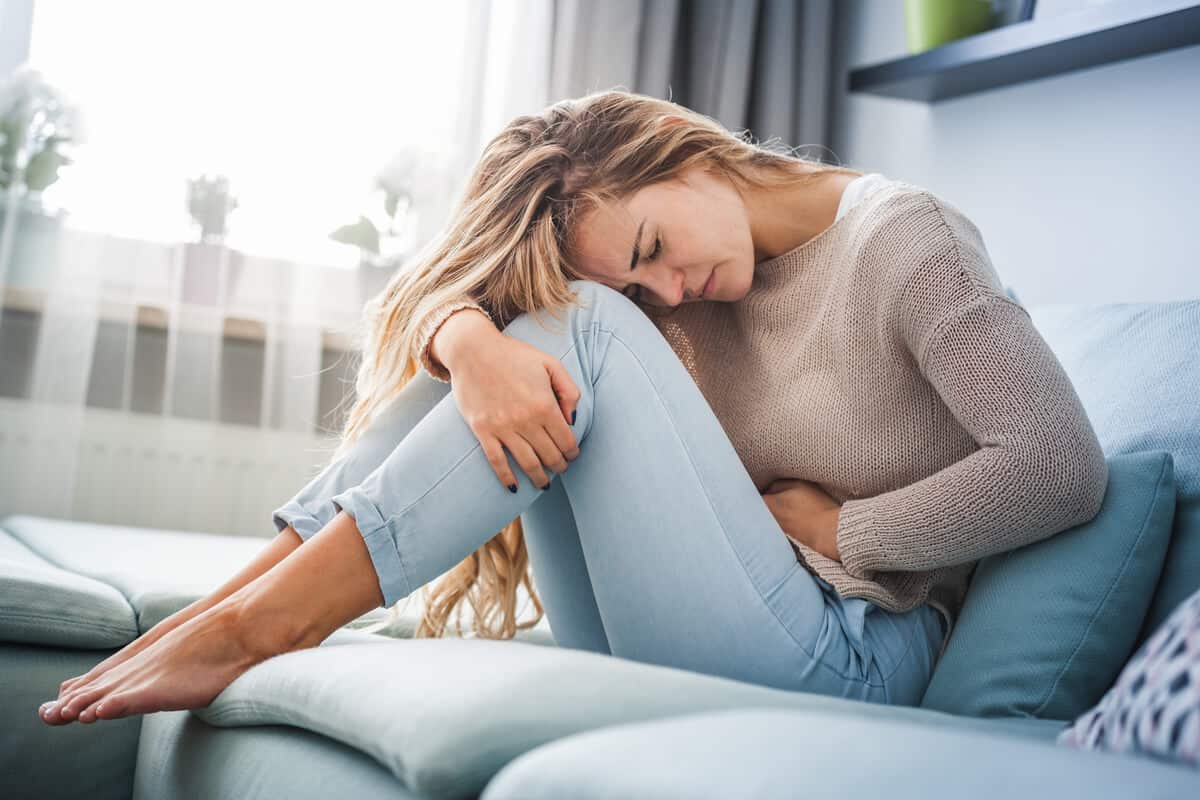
379	714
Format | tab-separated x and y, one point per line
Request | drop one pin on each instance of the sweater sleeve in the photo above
431	325
1039	468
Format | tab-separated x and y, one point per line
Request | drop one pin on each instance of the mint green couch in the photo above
371	715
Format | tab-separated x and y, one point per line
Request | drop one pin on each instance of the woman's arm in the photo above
441	326
1039	468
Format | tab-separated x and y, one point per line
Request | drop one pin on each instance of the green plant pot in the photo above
929	23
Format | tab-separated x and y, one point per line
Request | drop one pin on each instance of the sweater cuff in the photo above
430	326
857	544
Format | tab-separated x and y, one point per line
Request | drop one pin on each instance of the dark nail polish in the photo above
544	488
573	417
512	487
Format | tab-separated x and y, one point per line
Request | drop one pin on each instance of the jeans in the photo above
655	545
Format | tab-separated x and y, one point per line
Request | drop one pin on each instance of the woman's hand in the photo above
806	513
513	396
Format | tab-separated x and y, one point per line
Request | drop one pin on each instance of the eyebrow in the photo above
637	245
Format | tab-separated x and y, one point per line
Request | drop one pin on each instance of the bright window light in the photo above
299	104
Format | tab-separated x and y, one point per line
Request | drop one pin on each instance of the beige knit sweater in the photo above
883	361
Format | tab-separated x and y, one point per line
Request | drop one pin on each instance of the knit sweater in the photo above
883	361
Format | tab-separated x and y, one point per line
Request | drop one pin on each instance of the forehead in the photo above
604	239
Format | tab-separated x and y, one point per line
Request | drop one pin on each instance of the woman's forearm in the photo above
446	343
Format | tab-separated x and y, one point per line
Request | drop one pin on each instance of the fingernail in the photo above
573	417
512	487
547	486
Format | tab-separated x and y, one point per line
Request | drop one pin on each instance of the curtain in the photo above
190	386
761	65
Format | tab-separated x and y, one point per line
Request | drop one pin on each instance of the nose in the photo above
674	290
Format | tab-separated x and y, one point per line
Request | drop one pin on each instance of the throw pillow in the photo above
1134	366
1154	707
1045	628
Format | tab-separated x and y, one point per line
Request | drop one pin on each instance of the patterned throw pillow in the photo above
1154	707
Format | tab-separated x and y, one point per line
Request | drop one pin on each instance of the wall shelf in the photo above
1037	48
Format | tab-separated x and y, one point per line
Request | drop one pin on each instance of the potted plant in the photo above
929	23
382	234
210	202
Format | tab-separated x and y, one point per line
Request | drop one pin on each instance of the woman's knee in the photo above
592	298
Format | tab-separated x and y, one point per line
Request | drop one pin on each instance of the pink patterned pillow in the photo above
1154	707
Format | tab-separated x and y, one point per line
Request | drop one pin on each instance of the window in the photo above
299	104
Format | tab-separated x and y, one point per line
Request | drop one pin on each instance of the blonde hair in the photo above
507	246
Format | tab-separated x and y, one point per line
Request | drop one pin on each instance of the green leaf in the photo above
43	170
362	234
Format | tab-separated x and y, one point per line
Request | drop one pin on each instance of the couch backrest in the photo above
1136	368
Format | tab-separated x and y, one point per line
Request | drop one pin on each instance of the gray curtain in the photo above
762	65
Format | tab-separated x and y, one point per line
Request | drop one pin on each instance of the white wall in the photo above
1086	185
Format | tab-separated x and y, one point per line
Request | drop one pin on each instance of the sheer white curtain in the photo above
161	381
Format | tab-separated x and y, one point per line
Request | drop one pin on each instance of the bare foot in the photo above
187	668
128	651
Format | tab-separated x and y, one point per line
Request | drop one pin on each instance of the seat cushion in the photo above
144	574
65	762
157	571
770	753
41	603
183	758
443	715
1135	369
1045	628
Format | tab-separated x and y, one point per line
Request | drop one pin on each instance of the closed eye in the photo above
637	294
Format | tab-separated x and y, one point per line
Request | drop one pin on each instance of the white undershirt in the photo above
859	188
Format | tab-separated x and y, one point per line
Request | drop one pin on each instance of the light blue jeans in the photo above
655	545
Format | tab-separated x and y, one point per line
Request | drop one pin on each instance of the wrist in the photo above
831	528
447	343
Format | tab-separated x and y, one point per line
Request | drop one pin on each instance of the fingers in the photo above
565	390
525	455
494	450
546	449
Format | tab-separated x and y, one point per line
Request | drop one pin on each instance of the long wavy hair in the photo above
507	245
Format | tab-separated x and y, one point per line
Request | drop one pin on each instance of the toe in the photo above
113	707
90	714
79	701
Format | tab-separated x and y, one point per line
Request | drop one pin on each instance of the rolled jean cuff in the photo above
381	545
296	515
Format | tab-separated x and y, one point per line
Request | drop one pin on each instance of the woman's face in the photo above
676	235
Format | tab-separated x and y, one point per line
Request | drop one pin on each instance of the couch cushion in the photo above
1135	368
41	603
161	571
158	571
182	758
820	753
1045	628
443	715
63	762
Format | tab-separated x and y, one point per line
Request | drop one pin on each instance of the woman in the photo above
788	407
